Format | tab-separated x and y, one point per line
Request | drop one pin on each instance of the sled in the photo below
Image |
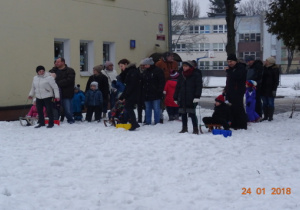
27	121
116	123
213	126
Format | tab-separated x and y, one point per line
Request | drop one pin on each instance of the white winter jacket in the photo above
111	76
44	86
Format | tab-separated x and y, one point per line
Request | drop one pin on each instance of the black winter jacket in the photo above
235	82
65	79
130	77
222	112
153	83
103	85
255	71
187	89
270	80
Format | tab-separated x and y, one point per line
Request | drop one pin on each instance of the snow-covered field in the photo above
86	166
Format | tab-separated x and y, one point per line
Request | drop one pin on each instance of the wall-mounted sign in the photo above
160	37
132	44
160	27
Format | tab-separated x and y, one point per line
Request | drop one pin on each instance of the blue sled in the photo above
225	133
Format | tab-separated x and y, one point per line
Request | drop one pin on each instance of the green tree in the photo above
216	7
283	20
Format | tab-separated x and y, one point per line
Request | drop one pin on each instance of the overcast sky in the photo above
204	6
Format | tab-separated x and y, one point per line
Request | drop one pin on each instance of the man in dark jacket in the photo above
65	79
153	87
254	72
235	90
130	76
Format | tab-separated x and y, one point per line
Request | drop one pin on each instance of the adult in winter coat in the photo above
167	64
235	90
153	87
44	89
130	76
187	95
169	90
270	82
65	79
103	85
221	115
111	75
254	72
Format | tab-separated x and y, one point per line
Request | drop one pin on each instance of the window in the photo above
195	47
204	29
245	55
86	56
108	52
204	46
204	65
219	28
62	49
219	65
194	29
253	37
218	47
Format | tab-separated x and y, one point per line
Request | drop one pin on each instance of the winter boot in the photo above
195	130
266	113
271	112
184	129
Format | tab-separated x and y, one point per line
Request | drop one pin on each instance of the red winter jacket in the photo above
170	89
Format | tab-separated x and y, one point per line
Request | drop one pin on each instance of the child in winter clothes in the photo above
93	102
251	101
221	114
78	103
33	110
169	90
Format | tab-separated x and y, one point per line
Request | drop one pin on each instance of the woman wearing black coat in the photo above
270	81
187	94
235	90
130	76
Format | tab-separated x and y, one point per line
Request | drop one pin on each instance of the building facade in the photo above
85	32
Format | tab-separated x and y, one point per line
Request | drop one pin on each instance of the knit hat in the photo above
98	68
271	60
147	61
189	63
174	74
251	83
220	99
231	57
38	68
108	63
250	58
94	84
77	87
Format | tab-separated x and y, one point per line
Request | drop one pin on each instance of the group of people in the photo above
155	87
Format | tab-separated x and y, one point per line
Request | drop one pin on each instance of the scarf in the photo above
188	72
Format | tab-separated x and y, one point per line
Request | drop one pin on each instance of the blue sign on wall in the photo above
132	44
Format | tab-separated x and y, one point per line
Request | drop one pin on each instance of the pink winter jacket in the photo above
34	113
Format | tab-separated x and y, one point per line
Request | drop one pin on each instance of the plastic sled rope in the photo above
27	121
125	126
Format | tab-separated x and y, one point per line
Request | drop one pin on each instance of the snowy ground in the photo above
86	166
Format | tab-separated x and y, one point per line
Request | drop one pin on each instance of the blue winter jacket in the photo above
78	101
93	98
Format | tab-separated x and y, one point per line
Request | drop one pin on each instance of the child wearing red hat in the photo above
251	101
221	115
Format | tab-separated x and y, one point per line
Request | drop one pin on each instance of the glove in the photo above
56	99
176	102
196	100
164	92
248	104
274	93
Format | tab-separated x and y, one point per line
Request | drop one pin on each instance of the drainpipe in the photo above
169	26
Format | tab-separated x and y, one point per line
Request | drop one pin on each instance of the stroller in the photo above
118	116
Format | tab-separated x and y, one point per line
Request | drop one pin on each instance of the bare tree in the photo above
176	8
254	7
190	9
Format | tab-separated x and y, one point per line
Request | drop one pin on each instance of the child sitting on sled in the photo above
33	113
221	115
118	114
